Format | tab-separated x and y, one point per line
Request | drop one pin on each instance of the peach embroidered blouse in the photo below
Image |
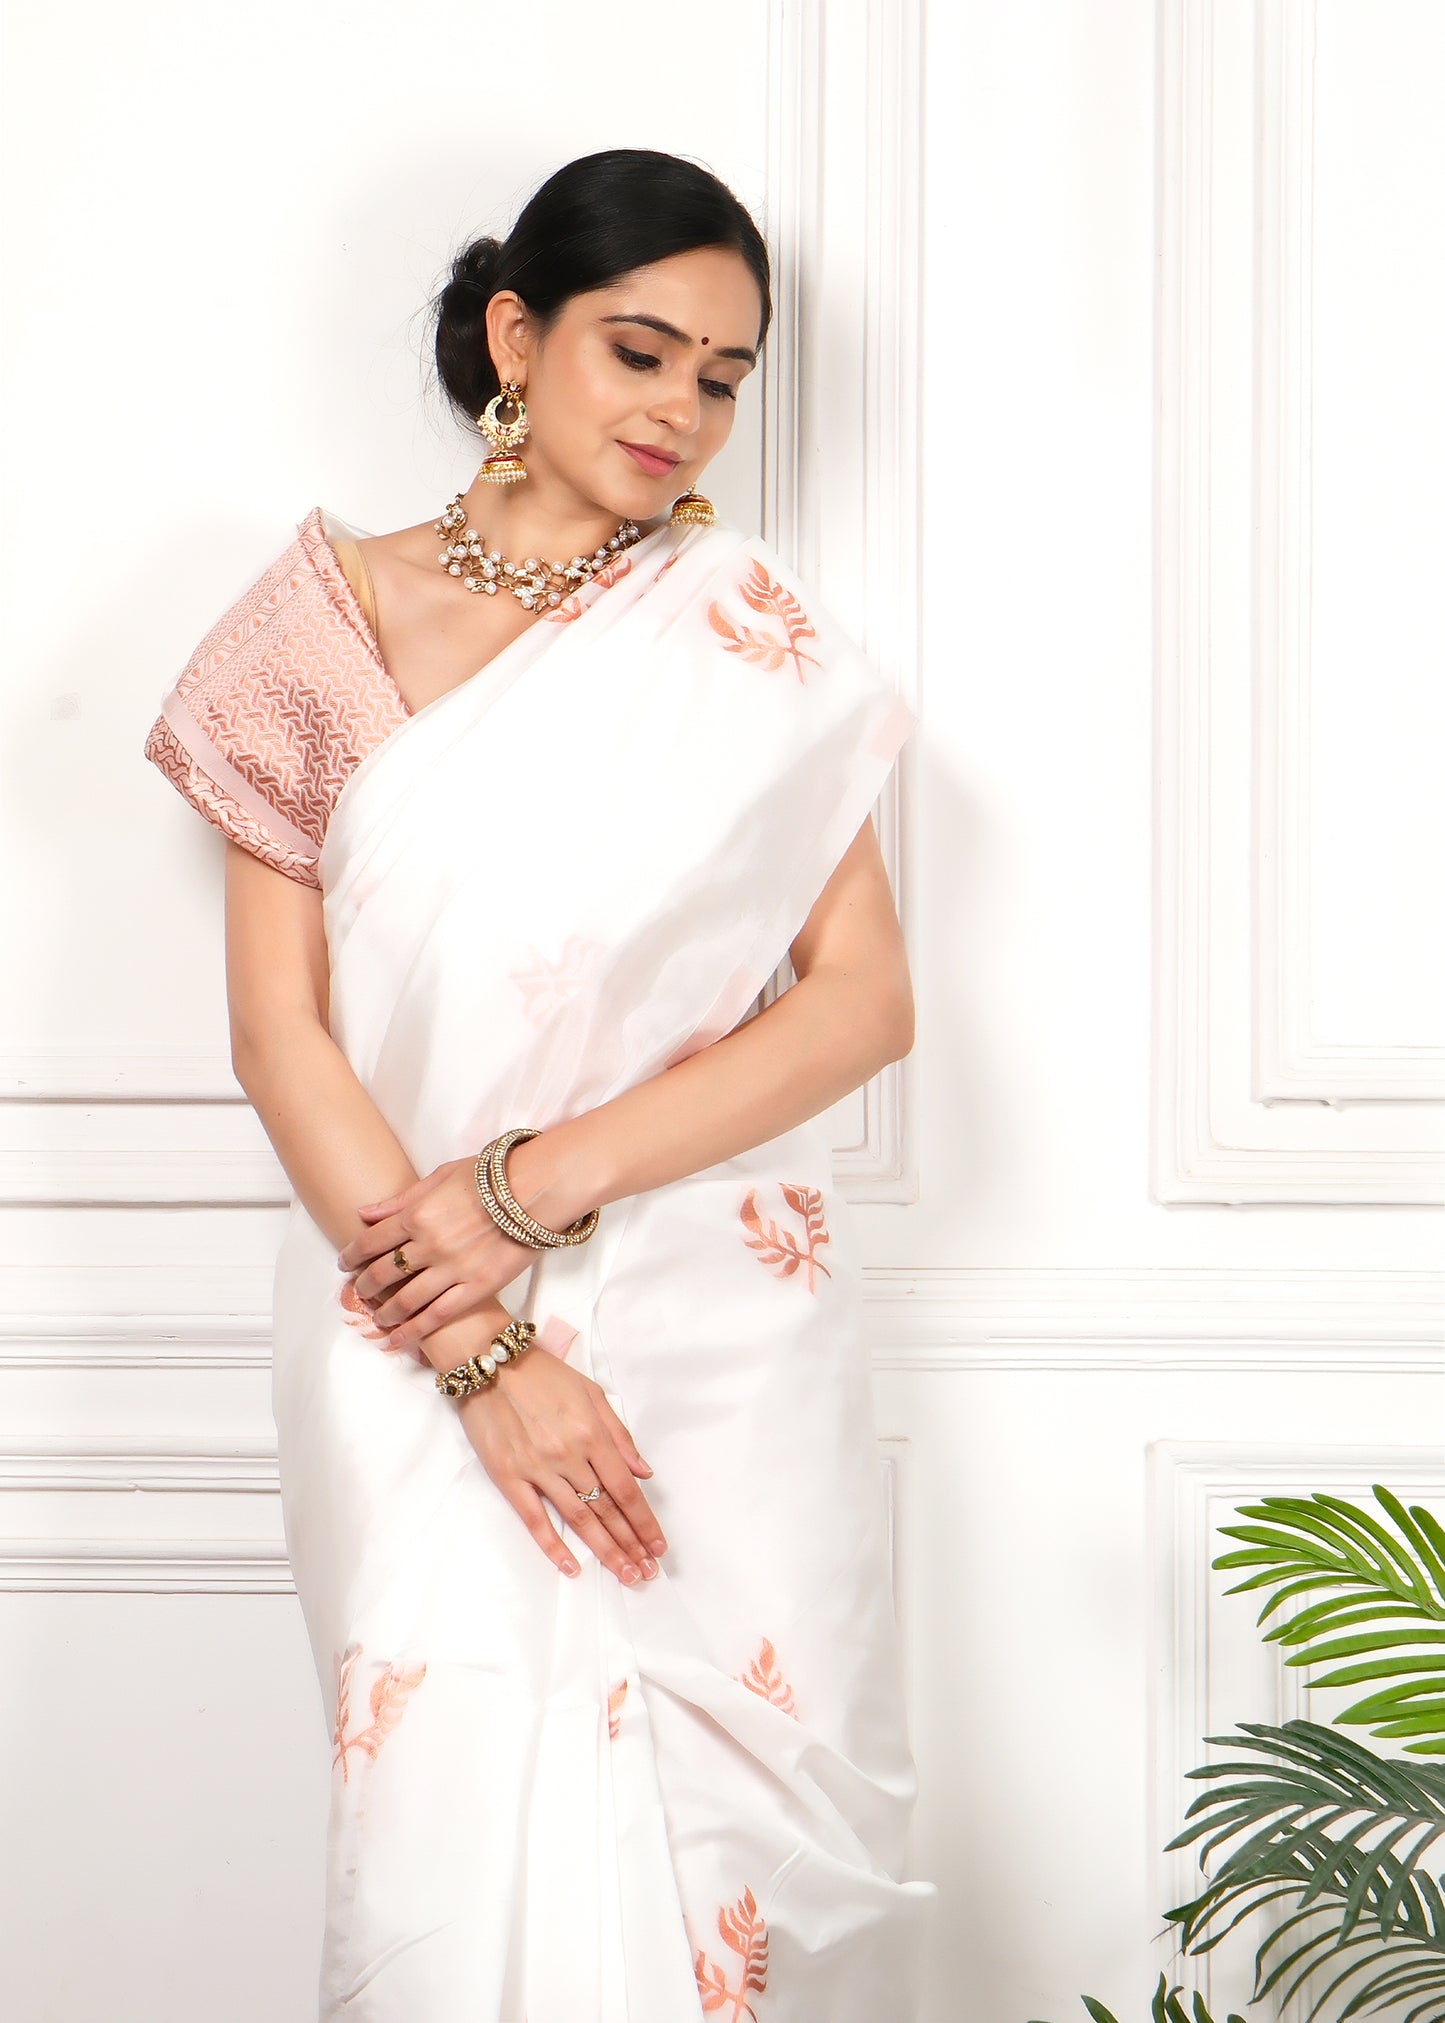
281	701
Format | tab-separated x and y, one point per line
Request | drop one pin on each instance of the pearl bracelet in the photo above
515	1338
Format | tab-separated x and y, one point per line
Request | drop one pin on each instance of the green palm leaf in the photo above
1390	1577
1381	1971
1321	1821
1166	2007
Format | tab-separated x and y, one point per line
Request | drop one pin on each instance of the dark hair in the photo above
592	221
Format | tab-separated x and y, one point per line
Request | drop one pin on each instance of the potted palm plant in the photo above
1333	1841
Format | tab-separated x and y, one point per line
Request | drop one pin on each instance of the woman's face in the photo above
653	361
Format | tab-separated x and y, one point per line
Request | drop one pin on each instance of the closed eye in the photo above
642	361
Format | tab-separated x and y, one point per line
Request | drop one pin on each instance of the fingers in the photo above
411	1308
396	1299
618	1524
540	1437
377	1242
607	1532
403	1203
450	1305
631	1515
393	1203
625	1444
528	1504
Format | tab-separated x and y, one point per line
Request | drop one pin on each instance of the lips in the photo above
656	463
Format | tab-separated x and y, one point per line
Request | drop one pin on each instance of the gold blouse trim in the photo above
353	564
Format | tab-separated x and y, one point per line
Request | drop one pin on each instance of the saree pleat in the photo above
566	1801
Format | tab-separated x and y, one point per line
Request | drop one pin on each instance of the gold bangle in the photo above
505	1209
494	1207
575	1232
478	1371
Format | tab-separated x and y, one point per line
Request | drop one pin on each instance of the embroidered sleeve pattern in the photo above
164	749
277	706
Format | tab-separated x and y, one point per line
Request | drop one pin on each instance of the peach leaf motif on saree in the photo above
777	1247
358	1316
546	986
764	649
744	1929
765	1678
614	1708
389	1694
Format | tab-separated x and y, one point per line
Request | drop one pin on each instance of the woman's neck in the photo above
533	518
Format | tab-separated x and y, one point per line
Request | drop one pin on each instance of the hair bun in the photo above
463	355
475	267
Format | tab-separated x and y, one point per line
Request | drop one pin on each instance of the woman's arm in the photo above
850	1012
848	1015
333	1142
326	1131
544	1429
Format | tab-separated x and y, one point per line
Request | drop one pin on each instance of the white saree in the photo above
561	1800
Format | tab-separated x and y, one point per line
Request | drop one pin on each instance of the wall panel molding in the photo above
1247	1107
1376	1323
179	1517
1292	1063
143	1076
841	500
143	1178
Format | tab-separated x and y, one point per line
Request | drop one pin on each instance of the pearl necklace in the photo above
535	584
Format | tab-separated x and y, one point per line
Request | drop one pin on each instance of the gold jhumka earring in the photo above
504	466
692	510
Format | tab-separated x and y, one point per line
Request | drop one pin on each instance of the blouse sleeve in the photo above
233	814
244	733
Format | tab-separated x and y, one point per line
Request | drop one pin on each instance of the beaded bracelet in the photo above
513	1341
505	1209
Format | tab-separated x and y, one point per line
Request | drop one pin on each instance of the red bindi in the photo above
702	340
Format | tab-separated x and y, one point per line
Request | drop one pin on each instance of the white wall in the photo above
1148	1208
1177	852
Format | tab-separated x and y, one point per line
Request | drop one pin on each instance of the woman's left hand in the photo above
459	1258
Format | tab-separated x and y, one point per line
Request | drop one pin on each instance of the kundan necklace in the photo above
535	584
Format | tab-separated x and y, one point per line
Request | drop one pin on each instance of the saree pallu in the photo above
562	1800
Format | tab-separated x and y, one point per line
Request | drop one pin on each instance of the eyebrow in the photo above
671	330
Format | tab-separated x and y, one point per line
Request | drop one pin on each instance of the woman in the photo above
513	845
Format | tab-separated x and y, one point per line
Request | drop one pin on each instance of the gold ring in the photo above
398	1258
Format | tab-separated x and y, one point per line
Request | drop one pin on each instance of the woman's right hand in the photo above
545	1429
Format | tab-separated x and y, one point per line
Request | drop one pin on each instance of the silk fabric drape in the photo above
566	1801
